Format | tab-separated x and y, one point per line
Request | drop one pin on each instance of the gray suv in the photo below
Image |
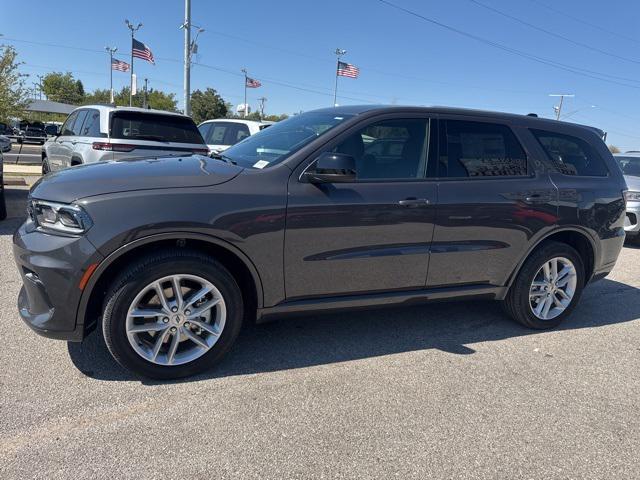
333	209
96	133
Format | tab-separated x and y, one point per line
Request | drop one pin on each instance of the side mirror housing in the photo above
332	167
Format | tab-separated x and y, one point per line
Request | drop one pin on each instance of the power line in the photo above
584	22
554	34
569	68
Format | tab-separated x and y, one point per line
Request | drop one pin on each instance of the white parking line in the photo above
21	155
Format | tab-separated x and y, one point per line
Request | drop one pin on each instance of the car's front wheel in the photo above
172	314
548	286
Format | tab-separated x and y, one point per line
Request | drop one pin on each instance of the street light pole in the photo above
262	100
111	52
244	108
133	31
339	53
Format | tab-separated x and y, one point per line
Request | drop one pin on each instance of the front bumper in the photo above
51	267
632	220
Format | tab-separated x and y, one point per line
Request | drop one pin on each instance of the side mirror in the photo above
332	168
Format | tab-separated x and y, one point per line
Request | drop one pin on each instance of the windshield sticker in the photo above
260	164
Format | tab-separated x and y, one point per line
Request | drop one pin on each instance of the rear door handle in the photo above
537	198
413	202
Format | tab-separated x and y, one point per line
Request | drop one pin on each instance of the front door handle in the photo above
413	202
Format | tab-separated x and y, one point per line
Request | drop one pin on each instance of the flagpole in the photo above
133	31
244	110
339	52
111	52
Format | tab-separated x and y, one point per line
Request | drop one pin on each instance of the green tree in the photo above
98	96
156	99
62	87
13	94
207	105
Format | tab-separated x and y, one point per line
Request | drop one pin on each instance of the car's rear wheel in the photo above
172	314
547	287
3	204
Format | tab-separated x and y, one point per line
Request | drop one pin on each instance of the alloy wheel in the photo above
175	319
553	288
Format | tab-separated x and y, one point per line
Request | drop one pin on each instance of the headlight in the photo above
631	196
59	217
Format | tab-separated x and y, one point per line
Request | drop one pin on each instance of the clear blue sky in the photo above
289	44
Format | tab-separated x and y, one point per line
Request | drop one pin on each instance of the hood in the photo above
133	174
633	183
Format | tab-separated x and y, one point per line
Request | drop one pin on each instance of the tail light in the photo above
113	147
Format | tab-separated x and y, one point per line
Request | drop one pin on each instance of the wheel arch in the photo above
576	237
238	264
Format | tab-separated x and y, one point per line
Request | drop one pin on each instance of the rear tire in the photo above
135	351
3	204
524	298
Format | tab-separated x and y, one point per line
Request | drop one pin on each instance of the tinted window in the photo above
77	125
155	127
91	126
240	133
476	149
272	145
571	155
67	127
391	149
217	133
629	165
204	128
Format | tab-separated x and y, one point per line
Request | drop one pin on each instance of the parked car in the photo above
221	133
630	166
169	256
3	205
52	130
99	132
5	129
5	144
32	134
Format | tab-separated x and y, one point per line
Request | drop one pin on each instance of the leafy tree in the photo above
62	87
98	96
207	105
156	99
13	94
614	149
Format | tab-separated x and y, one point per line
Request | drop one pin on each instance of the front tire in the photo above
547	287
172	314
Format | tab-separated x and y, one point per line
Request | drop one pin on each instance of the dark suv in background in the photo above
332	209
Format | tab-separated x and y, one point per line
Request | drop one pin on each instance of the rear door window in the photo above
67	127
478	149
204	129
571	155
154	127
240	132
91	126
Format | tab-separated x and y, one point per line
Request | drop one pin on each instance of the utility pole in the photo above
40	77
262	100
133	31
144	100
111	51
244	107
558	108
339	53
187	57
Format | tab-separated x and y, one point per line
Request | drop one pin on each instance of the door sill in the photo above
369	300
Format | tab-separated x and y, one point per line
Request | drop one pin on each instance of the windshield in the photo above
629	165
274	144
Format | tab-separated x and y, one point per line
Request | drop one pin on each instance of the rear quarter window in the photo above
571	155
154	127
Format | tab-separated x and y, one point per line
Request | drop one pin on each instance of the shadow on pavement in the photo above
325	339
16	199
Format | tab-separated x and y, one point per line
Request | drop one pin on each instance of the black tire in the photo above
3	204
516	303
632	240
140	274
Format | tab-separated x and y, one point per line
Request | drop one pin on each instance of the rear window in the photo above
154	127
571	155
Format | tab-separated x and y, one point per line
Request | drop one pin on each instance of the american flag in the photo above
140	50
119	65
252	83
348	70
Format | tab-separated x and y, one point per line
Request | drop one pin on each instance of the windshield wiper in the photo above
224	158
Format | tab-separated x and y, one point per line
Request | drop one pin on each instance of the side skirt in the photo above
370	300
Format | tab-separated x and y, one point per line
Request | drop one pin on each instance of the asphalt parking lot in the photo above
439	391
25	154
